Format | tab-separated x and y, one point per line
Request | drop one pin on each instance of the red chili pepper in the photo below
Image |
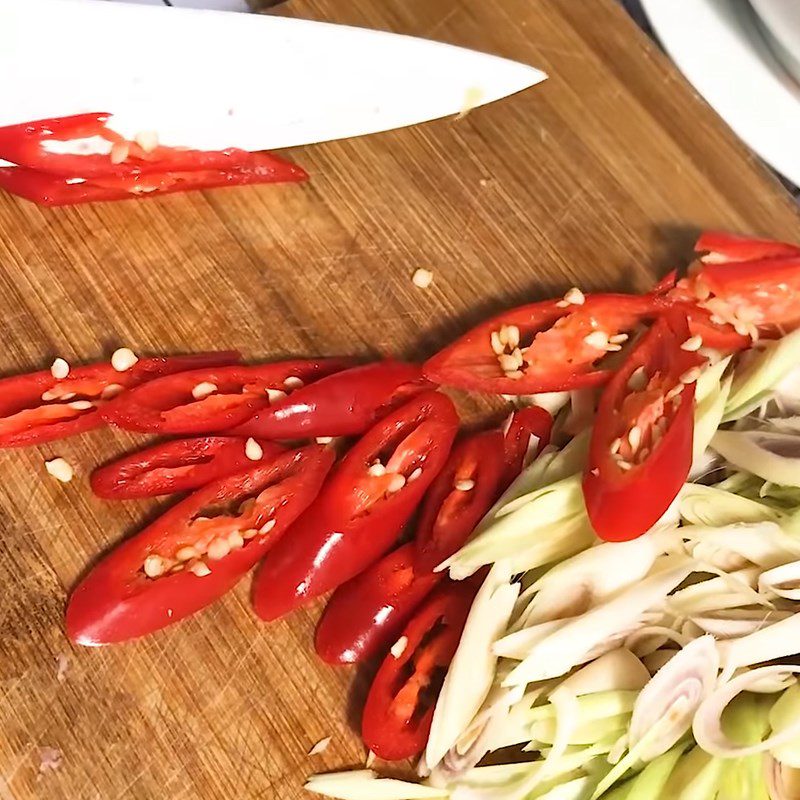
187	559
366	614
346	403
363	507
212	400
641	447
46	189
726	248
543	347
36	407
181	465
528	429
399	708
740	290
461	494
84	146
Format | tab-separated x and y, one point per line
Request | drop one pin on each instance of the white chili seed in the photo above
203	390
396	484
253	450
497	346
324	439
119	152
123	359
250	533
200	568
635	437
399	647
293	382
509	363
235	540
81	405
267	526
465	485
51	394
60	469
575	297
187	553
598	339
154	566
619	338
274	395
147	140
615	446
638	379
59	369
691	375
624	465
376	470
563	304
515	375
218	549
512	336
422	278
414	475
111	391
692	344
613	348
503	334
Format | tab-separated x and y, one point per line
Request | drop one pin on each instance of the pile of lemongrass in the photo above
655	668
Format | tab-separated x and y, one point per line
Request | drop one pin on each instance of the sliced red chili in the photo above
740	290
461	494
543	347
212	400
180	465
527	434
83	146
36	407
346	403
641	447
196	551
46	189
399	708
364	506
365	615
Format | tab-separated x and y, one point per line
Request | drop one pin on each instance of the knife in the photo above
210	80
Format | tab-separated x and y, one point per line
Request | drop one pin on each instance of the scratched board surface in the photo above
600	177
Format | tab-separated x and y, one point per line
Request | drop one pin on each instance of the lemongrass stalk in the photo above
709	505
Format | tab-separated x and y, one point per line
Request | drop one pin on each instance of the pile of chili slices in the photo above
341	524
80	159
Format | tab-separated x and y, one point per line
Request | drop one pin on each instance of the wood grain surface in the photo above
600	177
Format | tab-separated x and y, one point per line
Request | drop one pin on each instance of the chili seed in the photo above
253	450
59	369
123	359
154	566
203	390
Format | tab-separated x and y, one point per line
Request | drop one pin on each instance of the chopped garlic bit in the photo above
123	359
50	759
320	747
62	666
422	278
60	369
399	647
60	469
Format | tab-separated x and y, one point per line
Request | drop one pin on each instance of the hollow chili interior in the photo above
195	551
640	451
399	708
542	347
205	401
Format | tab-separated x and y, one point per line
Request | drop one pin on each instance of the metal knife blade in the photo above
212	79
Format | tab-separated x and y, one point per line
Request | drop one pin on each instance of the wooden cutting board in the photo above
600	177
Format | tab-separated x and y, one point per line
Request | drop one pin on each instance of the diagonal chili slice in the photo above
346	403
543	347
364	506
196	551
399	708
527	434
37	407
641	446
212	400
180	465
